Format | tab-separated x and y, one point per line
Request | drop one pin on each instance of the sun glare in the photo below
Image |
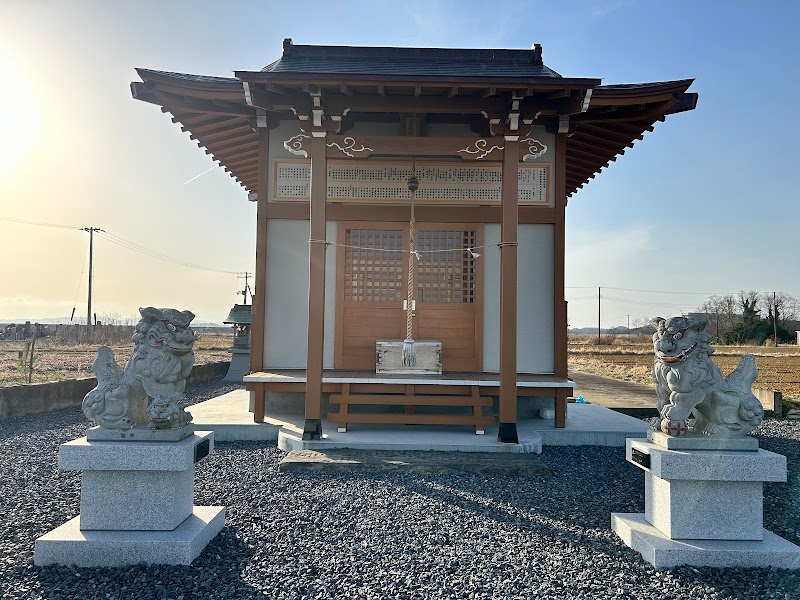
19	118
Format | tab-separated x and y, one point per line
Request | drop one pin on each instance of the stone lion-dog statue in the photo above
688	381
150	387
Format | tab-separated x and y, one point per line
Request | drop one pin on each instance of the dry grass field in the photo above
632	360
55	361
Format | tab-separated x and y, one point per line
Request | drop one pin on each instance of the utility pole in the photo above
629	327
598	315
775	318
91	231
246	276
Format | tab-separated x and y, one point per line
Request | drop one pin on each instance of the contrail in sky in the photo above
201	174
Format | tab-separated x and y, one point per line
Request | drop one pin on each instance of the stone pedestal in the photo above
704	503
136	504
240	364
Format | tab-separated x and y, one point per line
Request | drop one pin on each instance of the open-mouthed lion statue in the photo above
149	389
687	381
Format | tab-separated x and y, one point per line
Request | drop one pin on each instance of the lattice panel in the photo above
445	273
353	181
372	275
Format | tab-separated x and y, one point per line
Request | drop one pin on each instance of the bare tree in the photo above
780	307
722	313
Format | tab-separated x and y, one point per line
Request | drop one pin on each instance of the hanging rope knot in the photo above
504	244
326	242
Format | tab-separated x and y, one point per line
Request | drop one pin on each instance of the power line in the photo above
39	223
147	251
123	243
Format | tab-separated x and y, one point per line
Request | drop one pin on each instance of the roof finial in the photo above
287	46
537	54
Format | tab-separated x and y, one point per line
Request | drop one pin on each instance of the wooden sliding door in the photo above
449	293
372	276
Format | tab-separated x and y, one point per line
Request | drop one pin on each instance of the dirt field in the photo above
778	368
55	362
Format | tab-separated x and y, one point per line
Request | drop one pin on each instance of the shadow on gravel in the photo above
782	500
216	573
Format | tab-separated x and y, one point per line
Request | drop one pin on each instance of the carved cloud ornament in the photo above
295	145
535	149
350	147
480	147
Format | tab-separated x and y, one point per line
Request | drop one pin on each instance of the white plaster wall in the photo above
534	299
286	330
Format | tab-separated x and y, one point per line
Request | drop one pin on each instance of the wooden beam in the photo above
584	135
248	141
413	104
414	146
605	133
509	226
574	150
226	134
207	124
298	211
312	429
276	89
258	324
172	101
235	151
586	143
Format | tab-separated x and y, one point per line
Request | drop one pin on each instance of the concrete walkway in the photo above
587	424
613	393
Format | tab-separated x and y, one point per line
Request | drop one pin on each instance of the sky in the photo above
705	204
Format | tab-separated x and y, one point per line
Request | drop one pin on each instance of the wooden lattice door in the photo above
449	293
372	284
371	287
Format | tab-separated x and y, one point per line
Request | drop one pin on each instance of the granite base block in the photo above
68	545
745	443
136	500
663	552
705	510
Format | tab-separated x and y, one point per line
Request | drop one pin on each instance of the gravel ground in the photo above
381	535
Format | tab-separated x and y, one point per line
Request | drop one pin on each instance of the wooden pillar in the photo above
559	300
312	430
258	326
509	226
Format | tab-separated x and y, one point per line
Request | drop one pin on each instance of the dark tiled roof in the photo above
649	86
187	76
444	62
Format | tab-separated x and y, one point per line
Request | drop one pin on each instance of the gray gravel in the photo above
386	535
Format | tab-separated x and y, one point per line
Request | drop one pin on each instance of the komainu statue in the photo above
687	381
148	390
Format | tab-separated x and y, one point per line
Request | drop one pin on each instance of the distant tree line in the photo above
751	318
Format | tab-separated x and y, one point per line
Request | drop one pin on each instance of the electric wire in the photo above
37	223
122	242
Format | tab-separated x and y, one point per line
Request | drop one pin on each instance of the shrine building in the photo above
410	221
